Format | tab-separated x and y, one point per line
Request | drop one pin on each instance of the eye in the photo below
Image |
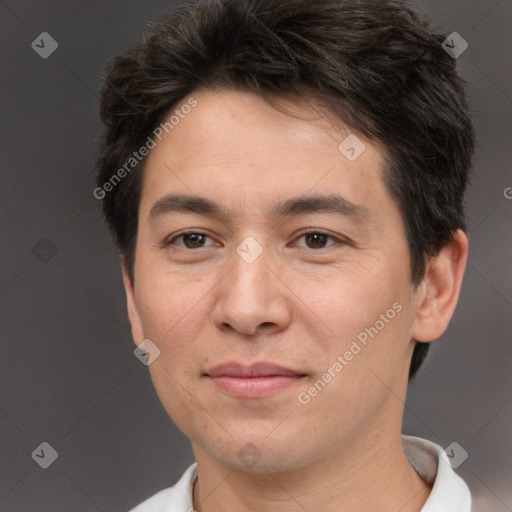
317	240
190	240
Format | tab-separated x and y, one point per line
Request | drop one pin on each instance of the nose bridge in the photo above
248	298
250	272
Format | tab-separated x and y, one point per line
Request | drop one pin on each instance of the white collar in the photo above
449	491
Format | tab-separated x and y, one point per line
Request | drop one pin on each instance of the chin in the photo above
262	454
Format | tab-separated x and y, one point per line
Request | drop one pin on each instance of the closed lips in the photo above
263	369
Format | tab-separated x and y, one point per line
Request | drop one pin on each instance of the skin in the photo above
297	305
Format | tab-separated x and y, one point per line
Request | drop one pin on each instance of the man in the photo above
284	180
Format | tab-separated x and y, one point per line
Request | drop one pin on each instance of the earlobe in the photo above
441	287
131	306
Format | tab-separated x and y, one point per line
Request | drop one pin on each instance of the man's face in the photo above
273	276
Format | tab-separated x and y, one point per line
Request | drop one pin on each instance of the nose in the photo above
251	298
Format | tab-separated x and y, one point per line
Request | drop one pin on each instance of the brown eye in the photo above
191	240
316	240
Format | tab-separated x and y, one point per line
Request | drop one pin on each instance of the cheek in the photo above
171	309
172	315
348	301
362	370
369	318
175	317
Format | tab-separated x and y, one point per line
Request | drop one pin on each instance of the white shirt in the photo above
449	492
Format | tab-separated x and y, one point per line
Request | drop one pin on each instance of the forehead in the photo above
234	147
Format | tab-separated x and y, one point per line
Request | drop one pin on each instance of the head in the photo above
230	123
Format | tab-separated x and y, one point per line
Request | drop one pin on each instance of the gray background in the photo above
68	375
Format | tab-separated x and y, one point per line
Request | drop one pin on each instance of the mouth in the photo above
255	381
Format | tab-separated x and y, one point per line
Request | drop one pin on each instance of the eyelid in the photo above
171	239
307	231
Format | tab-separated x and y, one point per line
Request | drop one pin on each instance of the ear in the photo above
440	289
131	305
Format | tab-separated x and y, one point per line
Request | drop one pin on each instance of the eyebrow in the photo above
303	205
332	203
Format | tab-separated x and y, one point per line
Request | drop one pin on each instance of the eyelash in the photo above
301	234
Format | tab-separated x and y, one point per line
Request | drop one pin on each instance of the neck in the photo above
369	473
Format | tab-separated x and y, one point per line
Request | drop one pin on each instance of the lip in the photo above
262	369
252	381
